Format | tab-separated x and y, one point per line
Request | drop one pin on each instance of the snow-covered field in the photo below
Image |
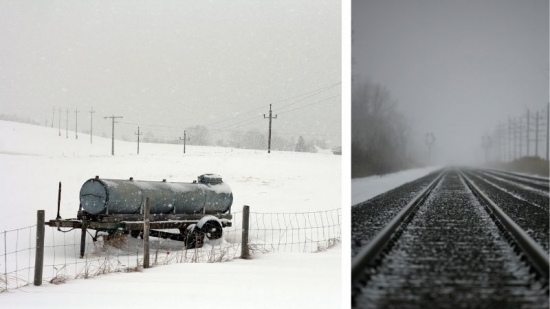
34	159
363	189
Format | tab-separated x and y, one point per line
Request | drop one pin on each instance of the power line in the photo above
149	125
317	102
250	120
314	92
303	98
254	118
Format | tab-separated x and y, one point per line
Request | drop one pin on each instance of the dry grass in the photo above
133	269
528	165
115	240
259	249
218	256
2	284
328	244
59	279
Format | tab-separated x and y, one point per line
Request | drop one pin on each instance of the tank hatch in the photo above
210	179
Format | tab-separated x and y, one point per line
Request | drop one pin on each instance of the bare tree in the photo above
379	133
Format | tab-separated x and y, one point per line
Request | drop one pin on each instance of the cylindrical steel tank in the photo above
116	196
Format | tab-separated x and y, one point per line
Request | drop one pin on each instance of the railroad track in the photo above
538	183
451	246
528	207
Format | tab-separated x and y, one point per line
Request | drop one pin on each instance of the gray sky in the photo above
456	68
176	63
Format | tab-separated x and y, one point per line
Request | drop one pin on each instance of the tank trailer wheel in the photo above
193	237
136	233
212	229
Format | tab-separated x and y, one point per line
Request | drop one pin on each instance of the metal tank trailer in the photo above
198	209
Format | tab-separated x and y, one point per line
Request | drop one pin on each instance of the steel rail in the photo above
533	251
528	182
532	178
523	182
369	253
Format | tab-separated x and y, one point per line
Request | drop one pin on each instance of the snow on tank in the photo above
117	196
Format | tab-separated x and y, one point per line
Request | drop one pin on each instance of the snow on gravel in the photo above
33	159
363	189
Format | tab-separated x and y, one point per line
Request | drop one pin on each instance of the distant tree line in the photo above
15	118
380	134
251	139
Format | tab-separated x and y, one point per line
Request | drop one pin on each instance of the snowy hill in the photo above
34	159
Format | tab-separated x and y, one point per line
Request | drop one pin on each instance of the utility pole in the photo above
113	133
67	124
91	122
486	144
528	128
547	123
76	123
430	140
501	142
184	139
59	121
138	134
53	116
515	139
510	140
269	136
520	136
537	135
504	143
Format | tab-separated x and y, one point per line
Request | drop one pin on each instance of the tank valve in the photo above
131	178
164	180
96	177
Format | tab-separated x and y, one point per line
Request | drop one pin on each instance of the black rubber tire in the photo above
212	229
136	233
193	239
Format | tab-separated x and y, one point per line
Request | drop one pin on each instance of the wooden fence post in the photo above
146	233
39	257
245	254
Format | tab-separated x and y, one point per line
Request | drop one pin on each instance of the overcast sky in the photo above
456	68
177	63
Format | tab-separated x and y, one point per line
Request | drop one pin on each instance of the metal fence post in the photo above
146	233
245	254
83	240
39	258
6	258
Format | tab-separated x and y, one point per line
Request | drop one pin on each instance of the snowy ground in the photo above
277	280
363	189
34	159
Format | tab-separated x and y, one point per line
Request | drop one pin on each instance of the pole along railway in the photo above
457	238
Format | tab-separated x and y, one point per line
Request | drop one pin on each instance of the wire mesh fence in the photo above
17	258
291	232
268	232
